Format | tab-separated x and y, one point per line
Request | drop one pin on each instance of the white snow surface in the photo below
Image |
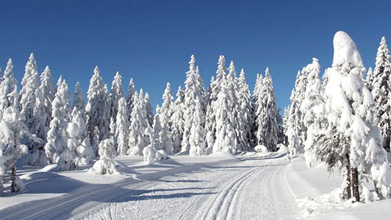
345	50
221	186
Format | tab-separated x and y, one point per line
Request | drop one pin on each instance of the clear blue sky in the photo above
152	40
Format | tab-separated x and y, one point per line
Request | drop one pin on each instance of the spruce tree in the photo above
381	91
122	128
97	109
177	119
8	89
245	115
197	132
115	95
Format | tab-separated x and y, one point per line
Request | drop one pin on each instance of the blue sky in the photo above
151	41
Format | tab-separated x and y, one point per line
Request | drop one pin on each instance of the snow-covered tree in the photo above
28	96
245	115
115	95
57	139
105	164
130	97
214	90
381	91
197	132
149	109
194	88
78	99
78	139
225	131
352	142
313	108
12	129
138	137
266	114
177	120
122	128
48	92
97	109
8	89
369	79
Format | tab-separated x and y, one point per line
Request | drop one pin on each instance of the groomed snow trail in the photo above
252	187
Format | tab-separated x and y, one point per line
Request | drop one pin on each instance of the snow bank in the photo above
261	149
345	50
318	194
282	148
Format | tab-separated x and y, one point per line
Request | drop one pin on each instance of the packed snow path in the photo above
252	187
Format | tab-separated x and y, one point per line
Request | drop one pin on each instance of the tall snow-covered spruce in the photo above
8	89
380	84
97	110
266	114
352	142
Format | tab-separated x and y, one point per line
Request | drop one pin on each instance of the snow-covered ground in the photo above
222	186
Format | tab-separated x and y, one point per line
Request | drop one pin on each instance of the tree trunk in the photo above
349	182
355	185
14	187
386	143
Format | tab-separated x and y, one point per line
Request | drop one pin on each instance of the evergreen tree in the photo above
122	129
8	89
215	87
193	89
78	99
197	132
12	129
177	119
78	140
139	125
115	95
352	142
48	92
245	113
105	164
381	91
130	97
266	114
56	147
97	109
148	108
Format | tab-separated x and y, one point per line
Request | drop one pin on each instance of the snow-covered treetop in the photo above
9	70
345	50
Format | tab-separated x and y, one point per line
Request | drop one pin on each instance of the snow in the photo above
345	50
317	193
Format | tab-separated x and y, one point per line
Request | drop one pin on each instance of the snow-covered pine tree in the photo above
77	133
28	98
122	127
381	91
177	120
130	97
214	89
193	88
352	142
197	132
166	112
313	108
78	99
245	114
48	91
12	129
149	109
266	114
156	132
8	89
369	79
225	131
56	147
116	94
97	109
138	138
105	164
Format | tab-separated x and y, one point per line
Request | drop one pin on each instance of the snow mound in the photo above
261	149
282	148
345	50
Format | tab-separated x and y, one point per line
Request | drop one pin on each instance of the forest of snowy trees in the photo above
342	119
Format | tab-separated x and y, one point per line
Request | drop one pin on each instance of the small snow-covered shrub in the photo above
261	149
149	154
105	165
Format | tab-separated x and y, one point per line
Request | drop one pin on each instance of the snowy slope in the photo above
251	186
